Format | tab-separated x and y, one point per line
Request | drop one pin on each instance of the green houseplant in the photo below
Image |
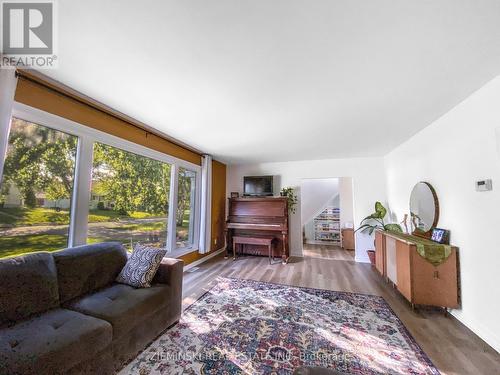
376	221
289	192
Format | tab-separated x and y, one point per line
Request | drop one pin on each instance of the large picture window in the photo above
35	195
129	198
64	184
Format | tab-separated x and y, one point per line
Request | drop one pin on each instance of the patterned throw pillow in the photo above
141	266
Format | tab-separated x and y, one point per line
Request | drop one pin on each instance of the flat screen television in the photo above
258	186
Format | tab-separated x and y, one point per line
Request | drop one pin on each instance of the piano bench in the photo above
255	240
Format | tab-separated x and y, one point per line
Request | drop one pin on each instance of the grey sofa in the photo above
62	312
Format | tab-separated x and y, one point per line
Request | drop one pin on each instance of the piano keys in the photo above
258	217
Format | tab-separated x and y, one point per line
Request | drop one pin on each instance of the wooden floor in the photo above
452	347
327	252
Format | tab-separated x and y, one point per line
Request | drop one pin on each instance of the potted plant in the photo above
376	221
289	192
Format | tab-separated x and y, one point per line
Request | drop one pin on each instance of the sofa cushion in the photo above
52	343
124	306
28	285
141	266
83	269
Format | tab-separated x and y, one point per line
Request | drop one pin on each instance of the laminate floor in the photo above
327	252
452	347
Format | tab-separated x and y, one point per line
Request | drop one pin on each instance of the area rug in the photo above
250	327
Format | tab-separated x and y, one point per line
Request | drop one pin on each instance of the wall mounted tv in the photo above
258	186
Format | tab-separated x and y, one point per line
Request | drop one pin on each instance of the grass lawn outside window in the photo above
24	230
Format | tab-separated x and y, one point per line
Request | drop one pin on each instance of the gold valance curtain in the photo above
53	98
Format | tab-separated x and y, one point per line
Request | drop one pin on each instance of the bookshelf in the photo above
327	227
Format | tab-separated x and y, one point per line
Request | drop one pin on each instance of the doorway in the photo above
327	218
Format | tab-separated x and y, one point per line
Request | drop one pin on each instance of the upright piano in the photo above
258	217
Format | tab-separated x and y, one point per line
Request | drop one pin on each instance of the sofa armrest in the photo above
171	272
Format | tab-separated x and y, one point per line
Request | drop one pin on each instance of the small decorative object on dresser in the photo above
404	222
235	194
441	236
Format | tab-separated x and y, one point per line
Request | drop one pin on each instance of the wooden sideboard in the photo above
348	239
418	280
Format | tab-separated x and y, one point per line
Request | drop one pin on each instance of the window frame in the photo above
193	203
78	228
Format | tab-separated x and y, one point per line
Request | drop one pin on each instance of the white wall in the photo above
346	201
451	154
315	194
368	187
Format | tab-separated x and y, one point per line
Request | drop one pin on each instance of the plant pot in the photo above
371	255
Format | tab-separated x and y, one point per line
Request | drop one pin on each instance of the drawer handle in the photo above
436	274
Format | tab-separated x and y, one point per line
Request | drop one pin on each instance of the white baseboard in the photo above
204	259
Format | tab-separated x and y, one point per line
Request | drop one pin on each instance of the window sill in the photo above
177	253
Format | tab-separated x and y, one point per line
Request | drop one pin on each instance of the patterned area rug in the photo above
250	327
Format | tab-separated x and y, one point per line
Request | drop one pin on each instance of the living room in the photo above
249	188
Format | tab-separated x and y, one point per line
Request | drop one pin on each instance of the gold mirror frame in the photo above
416	231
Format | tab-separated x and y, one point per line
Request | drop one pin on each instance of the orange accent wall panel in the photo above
218	212
218	204
47	100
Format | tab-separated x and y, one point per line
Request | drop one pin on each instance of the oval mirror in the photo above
424	208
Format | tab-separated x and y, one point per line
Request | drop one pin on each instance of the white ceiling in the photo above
277	80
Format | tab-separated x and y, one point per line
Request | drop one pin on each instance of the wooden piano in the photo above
259	217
